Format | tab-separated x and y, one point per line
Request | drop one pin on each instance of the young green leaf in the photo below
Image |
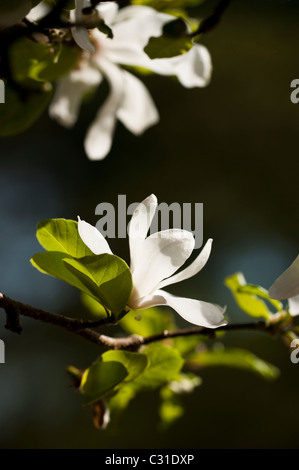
37	62
153	321
248	302
234	357
51	262
164	364
106	276
101	378
94	308
62	235
135	363
260	292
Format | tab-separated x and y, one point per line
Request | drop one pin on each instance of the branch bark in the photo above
15	309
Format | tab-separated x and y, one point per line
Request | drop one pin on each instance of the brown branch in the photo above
14	309
212	21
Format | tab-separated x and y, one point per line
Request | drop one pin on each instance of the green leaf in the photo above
153	321
52	263
249	303
97	310
106	276
170	410
37	62
21	110
101	378
168	4
234	357
135	363
164	46
260	292
164	364
62	235
121	399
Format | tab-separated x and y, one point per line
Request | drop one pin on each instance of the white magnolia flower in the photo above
286	286
154	260
129	101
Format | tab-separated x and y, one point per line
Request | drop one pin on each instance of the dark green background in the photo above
231	146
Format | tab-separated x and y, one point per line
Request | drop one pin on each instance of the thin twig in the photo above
14	309
212	21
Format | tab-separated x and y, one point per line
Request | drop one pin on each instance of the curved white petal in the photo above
80	34
136	24
161	254
139	226
193	311
137	110
193	69
191	270
287	285
108	11
92	238
70	92
38	12
294	305
100	134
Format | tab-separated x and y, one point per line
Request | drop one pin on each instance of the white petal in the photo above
108	11
139	226
193	311
193	69
294	305
92	238
80	34
137	110
161	255
70	92
191	270
100	134
287	285
137	24
38	12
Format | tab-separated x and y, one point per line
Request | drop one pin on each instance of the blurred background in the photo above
231	146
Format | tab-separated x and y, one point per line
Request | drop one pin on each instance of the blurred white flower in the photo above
286	286
154	260
129	101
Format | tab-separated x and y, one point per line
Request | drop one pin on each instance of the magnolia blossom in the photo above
286	286
154	260
129	101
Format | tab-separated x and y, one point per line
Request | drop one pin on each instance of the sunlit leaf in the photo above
62	235
51	262
135	363
248	302
37	62
105	275
234	357
101	378
164	363
153	321
93	306
260	292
